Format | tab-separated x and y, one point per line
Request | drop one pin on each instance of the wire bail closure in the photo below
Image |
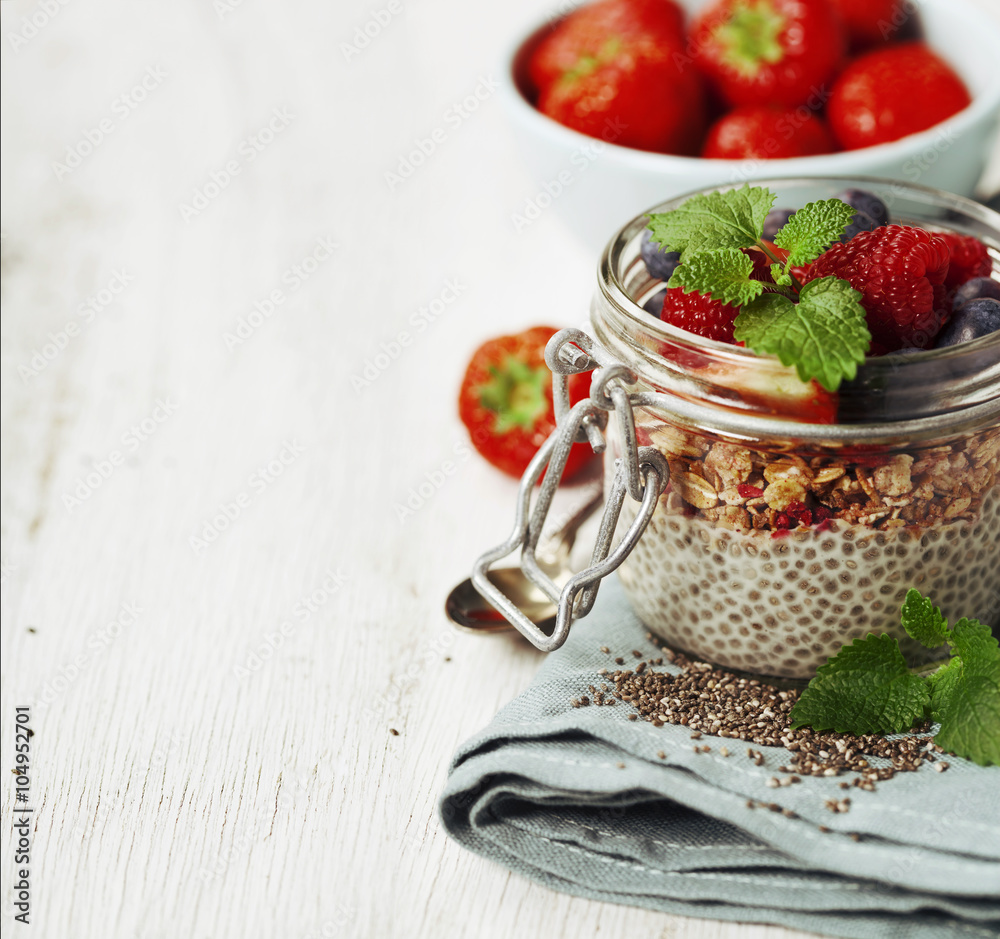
642	473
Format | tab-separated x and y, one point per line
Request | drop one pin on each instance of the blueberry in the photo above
871	212
654	304
660	264
976	289
976	318
775	221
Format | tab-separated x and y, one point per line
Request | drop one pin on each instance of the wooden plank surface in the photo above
212	596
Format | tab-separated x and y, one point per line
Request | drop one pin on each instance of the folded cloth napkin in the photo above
577	799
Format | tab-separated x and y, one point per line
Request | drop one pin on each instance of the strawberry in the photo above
969	258
871	22
766	133
700	314
614	70
900	273
768	52
583	33
892	92
505	401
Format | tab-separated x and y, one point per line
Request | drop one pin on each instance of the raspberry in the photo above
699	313
747	491
900	272
969	258
822	513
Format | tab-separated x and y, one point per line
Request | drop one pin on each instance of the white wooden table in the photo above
212	601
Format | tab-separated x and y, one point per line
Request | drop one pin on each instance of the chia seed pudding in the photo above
769	563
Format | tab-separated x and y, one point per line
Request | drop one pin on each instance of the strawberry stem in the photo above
796	284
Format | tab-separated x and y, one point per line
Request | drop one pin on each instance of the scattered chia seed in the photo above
661	755
717	703
393	731
605	649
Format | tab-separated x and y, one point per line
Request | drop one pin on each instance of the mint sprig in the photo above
819	328
824	335
812	229
733	219
724	273
866	688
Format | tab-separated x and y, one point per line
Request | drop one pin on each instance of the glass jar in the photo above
782	536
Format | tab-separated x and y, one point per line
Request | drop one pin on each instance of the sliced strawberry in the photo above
506	401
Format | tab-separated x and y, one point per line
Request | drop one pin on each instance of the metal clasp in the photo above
641	473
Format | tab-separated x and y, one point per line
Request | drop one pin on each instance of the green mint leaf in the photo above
866	688
811	230
965	695
780	276
724	273
824	335
923	621
733	219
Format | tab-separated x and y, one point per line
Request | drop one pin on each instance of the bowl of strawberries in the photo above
620	103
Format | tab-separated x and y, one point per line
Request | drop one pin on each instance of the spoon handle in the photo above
557	547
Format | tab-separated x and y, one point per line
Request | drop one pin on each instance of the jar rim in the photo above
980	408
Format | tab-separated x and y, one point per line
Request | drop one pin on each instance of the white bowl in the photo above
595	186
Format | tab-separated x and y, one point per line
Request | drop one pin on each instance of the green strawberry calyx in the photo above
751	37
516	394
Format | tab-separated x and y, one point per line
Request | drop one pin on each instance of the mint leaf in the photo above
724	273
824	335
923	621
733	219
780	276
866	688
808	233
965	695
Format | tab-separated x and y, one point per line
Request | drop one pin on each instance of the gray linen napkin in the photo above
542	791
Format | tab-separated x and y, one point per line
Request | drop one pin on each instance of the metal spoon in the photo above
469	611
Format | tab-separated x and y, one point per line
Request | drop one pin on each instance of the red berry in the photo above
900	272
584	32
747	491
782	521
699	313
892	92
506	401
969	258
766	133
768	52
871	22
822	514
615	70
800	513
